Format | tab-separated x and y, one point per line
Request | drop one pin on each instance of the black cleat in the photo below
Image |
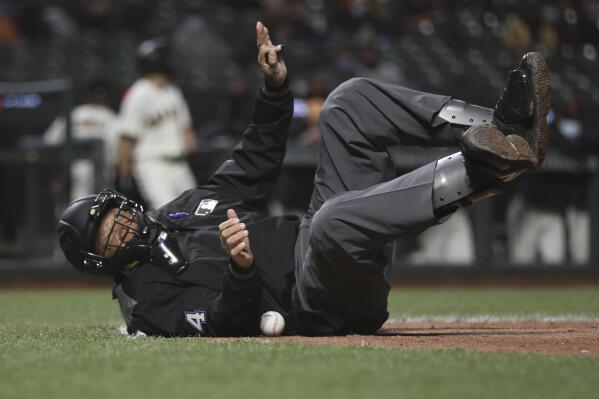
524	104
504	157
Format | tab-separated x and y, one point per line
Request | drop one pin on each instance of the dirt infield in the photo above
556	338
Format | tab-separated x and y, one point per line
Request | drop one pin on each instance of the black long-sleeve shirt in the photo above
213	297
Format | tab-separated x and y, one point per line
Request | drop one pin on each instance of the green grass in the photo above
62	344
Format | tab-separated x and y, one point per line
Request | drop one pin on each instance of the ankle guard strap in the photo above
458	112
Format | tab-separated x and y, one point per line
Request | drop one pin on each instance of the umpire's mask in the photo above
133	238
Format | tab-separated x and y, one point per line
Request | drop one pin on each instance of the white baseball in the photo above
272	324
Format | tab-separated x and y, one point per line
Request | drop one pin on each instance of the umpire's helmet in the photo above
78	228
153	56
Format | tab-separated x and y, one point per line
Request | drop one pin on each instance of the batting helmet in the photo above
153	56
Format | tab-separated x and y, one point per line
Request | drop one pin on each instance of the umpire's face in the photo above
117	228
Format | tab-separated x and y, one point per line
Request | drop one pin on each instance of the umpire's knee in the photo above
345	93
342	98
348	88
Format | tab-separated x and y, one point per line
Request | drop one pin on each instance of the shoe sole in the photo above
541	87
489	145
522	148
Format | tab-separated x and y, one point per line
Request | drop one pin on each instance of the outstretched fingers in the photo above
270	58
268	53
262	36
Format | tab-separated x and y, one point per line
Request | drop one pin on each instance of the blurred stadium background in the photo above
52	51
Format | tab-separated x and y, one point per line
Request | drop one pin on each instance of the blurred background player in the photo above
92	119
555	229
155	130
451	243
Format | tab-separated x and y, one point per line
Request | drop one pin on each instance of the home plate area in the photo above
548	335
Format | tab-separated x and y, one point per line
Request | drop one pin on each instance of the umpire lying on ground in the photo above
211	262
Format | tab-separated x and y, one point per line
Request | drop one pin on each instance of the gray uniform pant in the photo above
359	204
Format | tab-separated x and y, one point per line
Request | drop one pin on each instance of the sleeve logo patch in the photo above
196	319
206	207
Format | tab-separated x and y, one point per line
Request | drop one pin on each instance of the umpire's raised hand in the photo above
269	57
235	240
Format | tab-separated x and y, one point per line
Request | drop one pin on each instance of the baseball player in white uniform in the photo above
155	130
92	119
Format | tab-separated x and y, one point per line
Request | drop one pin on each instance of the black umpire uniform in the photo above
211	296
325	273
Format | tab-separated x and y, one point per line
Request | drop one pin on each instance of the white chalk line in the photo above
567	318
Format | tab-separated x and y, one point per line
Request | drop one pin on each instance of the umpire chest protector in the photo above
193	219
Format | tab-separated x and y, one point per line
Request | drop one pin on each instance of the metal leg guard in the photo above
458	112
453	187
